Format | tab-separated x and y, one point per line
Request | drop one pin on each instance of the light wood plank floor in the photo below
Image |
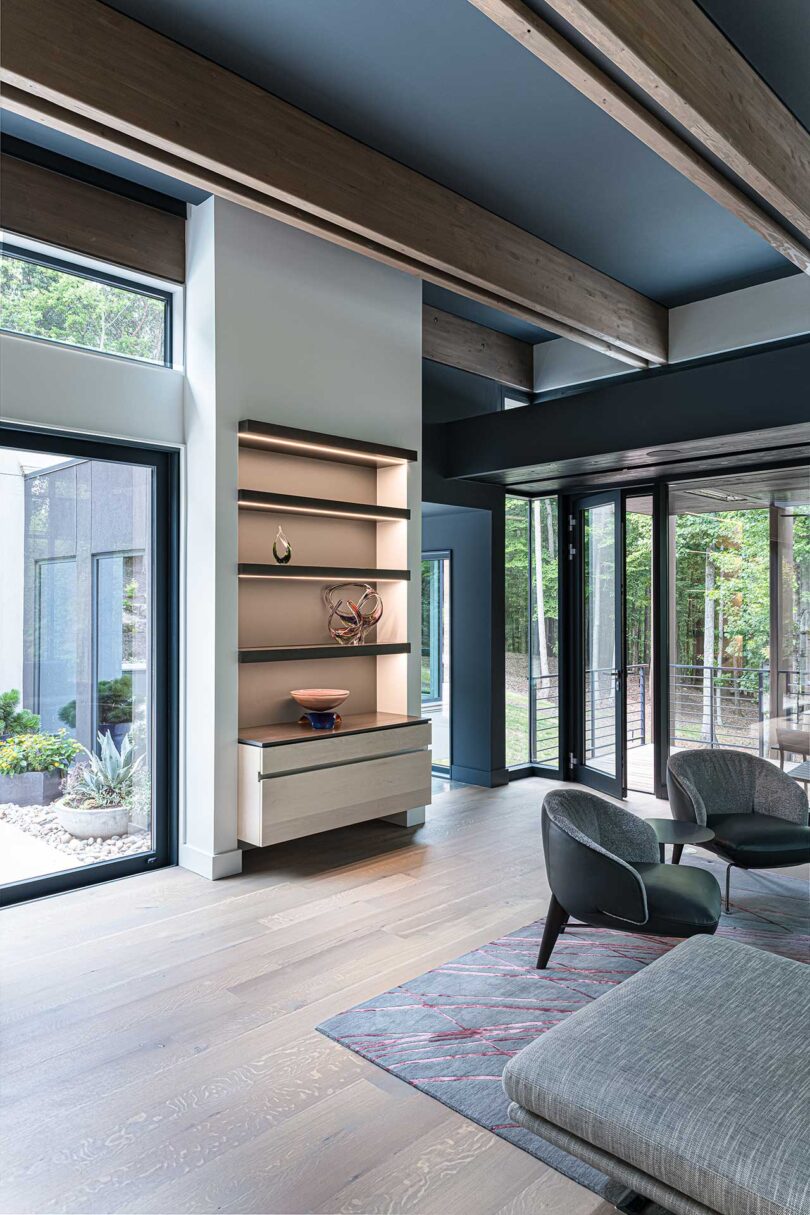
159	1051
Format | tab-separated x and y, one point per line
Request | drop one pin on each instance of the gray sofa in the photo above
689	1082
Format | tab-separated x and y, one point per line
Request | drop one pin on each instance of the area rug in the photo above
450	1032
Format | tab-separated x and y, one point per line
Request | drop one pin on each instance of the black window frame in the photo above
531	766
96	559
133	286
165	463
40	564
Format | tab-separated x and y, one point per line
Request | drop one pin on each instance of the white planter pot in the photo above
93	824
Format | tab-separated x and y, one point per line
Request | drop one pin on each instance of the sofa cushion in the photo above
695	1071
759	840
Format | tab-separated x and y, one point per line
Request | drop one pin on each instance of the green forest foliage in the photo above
728	550
44	302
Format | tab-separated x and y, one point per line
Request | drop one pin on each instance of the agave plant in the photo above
105	779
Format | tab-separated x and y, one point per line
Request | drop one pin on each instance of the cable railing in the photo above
710	706
719	706
544	715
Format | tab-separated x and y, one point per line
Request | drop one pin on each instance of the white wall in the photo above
280	327
47	385
769	312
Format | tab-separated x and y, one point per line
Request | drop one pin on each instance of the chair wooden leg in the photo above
677	853
556	919
728	889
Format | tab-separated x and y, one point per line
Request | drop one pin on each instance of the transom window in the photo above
55	301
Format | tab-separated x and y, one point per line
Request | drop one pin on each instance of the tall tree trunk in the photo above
542	643
718	712
708	647
552	547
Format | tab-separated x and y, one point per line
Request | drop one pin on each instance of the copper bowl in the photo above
320	700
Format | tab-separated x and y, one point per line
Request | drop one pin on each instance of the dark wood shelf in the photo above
259	500
295	653
282	733
322	573
313	445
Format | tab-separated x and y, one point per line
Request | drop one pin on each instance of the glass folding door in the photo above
86	666
596	554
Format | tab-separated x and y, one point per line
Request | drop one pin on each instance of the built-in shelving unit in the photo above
251	499
300	653
313	445
343	505
322	573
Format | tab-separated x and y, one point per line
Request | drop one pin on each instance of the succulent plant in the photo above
104	779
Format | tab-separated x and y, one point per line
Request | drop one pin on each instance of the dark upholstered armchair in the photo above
759	815
603	868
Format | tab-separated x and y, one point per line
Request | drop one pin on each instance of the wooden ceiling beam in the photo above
673	52
457	342
110	80
556	52
59	210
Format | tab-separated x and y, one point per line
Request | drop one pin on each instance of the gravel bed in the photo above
40	821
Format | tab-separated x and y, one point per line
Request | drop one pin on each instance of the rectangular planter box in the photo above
30	788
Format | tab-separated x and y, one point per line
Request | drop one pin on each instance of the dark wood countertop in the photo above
285	732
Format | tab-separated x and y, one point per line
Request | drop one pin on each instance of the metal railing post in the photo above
760	718
711	707
593	714
642	695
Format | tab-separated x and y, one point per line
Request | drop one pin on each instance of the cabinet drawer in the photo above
304	803
340	749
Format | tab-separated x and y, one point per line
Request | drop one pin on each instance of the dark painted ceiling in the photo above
438	297
774	36
75	149
440	88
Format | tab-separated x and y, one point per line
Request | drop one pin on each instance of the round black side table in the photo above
677	832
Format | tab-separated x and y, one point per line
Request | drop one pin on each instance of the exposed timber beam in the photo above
108	79
673	52
51	207
457	342
556	52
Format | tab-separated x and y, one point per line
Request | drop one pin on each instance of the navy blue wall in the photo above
474	538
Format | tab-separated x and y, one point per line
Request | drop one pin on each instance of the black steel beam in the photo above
664	421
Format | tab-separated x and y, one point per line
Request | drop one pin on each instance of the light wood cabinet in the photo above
294	783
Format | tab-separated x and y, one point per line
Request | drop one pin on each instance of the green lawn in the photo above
517	728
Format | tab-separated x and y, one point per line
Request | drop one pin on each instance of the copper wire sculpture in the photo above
350	619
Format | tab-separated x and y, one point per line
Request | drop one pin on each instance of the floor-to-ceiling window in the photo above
544	711
86	661
640	672
532	638
739	616
735	634
436	655
517	562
